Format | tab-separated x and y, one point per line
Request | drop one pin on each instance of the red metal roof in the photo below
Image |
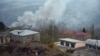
74	33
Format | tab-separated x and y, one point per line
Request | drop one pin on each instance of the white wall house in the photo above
93	44
70	43
24	36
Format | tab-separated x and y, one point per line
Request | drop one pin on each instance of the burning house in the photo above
24	36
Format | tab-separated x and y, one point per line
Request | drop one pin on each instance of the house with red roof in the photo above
76	34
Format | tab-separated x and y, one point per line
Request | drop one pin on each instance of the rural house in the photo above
24	36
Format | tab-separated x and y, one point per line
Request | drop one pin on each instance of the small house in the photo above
77	35
93	44
24	36
71	43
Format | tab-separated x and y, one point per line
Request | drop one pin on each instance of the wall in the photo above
37	37
4	40
26	39
80	44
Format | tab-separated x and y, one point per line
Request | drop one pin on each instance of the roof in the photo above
23	32
74	33
93	42
70	40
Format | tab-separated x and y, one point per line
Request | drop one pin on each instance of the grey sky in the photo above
79	13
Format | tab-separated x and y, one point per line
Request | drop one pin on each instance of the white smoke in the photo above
27	18
52	10
74	13
81	13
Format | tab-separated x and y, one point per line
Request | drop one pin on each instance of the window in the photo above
98	48
62	42
67	43
94	47
90	46
72	45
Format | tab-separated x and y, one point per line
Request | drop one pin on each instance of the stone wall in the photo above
7	37
4	38
25	39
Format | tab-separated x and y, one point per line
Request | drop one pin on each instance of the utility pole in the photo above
96	45
92	32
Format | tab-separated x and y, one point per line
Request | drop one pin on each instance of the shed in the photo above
93	44
71	43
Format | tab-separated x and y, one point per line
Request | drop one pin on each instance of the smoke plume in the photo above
72	13
52	10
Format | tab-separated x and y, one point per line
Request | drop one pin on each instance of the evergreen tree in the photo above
84	30
2	26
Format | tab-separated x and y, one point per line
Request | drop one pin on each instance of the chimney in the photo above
18	32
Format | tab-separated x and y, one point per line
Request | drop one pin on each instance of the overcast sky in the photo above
78	13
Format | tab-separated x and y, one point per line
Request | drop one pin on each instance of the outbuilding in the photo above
71	43
93	44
